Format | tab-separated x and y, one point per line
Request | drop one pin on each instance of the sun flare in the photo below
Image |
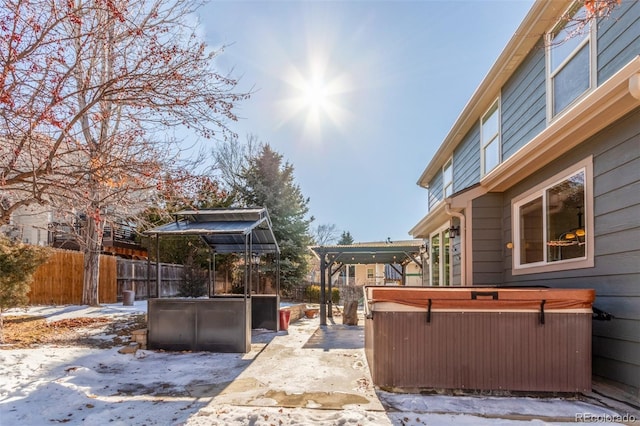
316	96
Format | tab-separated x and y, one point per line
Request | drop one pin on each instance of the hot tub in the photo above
479	338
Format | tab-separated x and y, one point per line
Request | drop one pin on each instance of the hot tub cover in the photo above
483	298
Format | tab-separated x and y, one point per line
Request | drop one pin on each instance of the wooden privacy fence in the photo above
59	280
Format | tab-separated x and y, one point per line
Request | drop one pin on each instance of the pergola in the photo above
220	323
333	258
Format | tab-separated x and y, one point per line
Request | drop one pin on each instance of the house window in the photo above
369	273
490	139
569	61
552	224
447	178
440	258
350	274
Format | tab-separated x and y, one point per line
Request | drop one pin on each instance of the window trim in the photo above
447	185
539	190
497	138
591	39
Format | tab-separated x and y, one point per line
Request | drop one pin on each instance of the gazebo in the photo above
333	257
219	323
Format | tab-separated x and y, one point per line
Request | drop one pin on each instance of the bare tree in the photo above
88	90
231	159
600	8
325	234
577	19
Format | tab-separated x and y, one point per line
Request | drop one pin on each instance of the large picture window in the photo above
569	61
552	225
490	139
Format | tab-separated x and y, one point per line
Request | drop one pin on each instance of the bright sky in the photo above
358	95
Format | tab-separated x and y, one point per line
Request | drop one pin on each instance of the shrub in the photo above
18	263
312	294
194	282
335	296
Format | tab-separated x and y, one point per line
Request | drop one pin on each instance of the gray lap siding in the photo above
616	274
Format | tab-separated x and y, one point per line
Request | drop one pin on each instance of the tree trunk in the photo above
93	244
350	313
1	327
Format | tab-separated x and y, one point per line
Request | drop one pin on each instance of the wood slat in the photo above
59	280
488	351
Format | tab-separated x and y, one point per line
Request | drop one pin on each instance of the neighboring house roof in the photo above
225	230
371	253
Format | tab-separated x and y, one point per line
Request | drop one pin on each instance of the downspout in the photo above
463	229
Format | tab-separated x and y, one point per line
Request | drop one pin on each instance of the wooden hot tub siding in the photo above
490	350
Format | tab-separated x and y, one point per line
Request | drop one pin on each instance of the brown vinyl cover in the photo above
489	298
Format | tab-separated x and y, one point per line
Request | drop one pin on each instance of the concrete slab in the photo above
336	376
314	374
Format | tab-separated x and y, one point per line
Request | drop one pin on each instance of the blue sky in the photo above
358	95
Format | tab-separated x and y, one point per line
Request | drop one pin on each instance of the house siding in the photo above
487	243
616	196
523	104
466	167
616	274
435	190
618	39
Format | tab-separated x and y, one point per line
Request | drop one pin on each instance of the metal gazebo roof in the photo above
225	230
400	252
388	253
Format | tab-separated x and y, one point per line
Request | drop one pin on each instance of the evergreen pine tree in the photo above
270	183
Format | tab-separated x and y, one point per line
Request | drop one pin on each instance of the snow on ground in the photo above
82	385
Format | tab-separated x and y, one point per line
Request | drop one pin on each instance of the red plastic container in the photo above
285	315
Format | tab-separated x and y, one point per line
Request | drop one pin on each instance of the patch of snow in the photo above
78	385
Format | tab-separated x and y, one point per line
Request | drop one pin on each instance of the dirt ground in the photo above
23	331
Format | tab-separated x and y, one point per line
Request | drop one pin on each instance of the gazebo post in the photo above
323	279
278	279
246	262
158	266
329	301
149	269
212	273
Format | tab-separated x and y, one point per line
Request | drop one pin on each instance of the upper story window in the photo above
553	223
490	139
447	178
570	61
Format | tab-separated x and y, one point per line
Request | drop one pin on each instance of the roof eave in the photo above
540	18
